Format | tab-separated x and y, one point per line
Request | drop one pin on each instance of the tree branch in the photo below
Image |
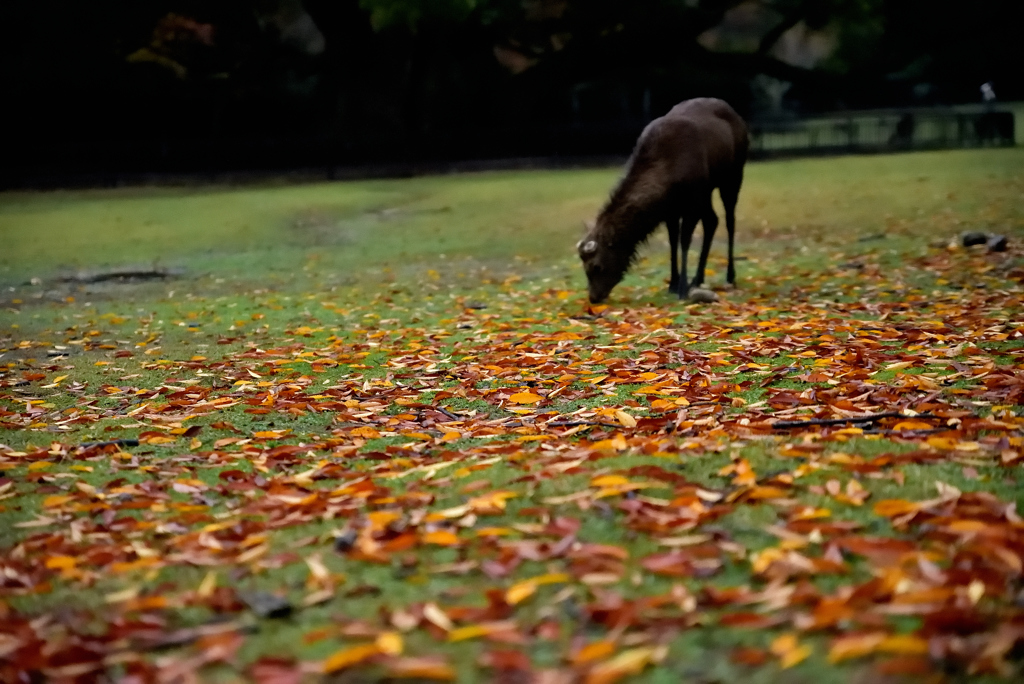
871	418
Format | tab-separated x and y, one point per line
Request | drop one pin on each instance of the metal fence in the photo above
42	164
882	131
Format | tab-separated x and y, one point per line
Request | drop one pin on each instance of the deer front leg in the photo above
730	226
673	243
730	193
689	224
710	222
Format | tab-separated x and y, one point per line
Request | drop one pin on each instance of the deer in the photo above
678	161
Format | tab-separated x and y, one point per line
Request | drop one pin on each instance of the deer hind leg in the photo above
730	194
673	242
709	220
688	225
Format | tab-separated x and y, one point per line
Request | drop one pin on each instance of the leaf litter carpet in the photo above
535	477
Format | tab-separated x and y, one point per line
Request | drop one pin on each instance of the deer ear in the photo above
588	225
589	247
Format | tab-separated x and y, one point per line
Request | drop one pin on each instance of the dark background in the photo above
122	86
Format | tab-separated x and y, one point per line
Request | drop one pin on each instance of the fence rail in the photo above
882	131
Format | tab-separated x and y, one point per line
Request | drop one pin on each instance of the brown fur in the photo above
678	161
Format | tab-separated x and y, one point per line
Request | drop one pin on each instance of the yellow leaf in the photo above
470	632
347	657
483	629
789	650
365	431
625	419
390	643
609	481
943	443
56	500
551	578
451	436
490	504
629	662
762	560
207	586
519	592
526	397
904	644
795	657
437	616
158	439
40	465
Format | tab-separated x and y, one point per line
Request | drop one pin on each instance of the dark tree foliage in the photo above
342	81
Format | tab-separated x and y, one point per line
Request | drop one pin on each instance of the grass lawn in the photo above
371	431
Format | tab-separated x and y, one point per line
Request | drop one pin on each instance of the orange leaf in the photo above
423	667
758	493
616	443
912	425
347	657
365	431
526	397
593	651
60	562
892	508
270	434
854	646
441	538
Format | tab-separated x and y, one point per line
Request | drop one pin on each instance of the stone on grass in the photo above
973	237
702	296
